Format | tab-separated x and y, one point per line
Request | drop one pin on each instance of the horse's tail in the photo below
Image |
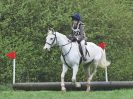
103	61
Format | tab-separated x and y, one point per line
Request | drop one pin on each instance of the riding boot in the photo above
83	50
84	58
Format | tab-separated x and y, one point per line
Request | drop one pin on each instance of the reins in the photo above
61	46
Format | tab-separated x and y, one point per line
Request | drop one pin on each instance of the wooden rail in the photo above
56	85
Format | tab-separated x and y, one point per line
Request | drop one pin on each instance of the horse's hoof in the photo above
88	90
78	85
73	81
63	89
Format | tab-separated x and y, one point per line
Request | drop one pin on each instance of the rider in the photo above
79	33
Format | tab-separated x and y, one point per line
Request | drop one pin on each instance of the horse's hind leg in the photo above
64	70
91	76
87	73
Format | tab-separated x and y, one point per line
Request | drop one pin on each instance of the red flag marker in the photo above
11	55
102	45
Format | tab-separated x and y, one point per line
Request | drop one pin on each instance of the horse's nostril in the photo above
47	49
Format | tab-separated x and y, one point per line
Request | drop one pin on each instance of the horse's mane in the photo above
64	36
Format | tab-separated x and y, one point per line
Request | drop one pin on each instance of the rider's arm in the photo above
82	30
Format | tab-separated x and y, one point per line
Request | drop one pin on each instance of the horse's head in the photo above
50	39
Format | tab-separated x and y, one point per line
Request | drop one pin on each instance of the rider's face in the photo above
75	22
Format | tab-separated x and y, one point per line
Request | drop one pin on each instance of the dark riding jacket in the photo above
78	30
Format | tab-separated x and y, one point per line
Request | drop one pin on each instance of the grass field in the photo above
115	94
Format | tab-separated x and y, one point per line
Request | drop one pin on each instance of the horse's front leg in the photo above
75	70
64	70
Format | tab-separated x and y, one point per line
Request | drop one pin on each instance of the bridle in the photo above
55	38
61	46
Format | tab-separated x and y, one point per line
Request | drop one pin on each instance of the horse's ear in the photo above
52	30
48	29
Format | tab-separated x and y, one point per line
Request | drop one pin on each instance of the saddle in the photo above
75	39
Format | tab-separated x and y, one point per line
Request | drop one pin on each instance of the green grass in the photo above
115	94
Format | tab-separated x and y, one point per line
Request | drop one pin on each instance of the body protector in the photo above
78	31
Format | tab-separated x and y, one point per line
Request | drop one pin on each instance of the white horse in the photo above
71	56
